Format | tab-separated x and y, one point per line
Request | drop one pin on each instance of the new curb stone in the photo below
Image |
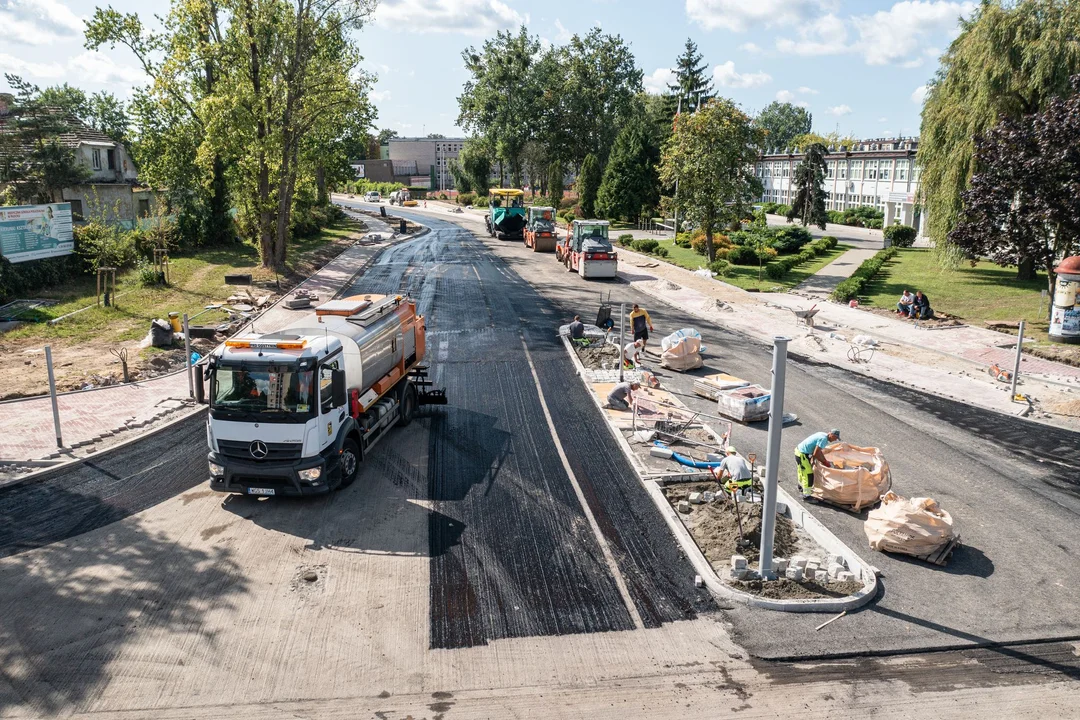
799	515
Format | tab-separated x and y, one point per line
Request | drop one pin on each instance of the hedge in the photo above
849	289
900	235
778	269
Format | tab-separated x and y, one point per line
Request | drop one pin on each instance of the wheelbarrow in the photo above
806	317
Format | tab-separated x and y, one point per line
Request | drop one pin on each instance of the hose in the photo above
688	462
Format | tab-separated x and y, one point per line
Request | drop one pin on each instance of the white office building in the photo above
430	157
880	173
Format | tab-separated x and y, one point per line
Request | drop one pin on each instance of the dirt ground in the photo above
715	526
599	356
784	589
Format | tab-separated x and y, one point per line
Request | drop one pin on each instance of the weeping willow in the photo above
1009	59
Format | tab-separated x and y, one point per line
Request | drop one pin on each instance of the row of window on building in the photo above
845	169
835	201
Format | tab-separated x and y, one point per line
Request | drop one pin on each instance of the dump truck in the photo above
505	218
540	229
295	412
587	251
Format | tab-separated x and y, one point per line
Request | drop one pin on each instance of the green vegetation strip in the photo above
849	289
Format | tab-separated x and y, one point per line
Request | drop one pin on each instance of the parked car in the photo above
373	197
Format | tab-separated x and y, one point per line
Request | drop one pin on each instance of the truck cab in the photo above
540	229
294	412
587	251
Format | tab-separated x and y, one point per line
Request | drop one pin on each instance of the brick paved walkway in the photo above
1005	358
94	417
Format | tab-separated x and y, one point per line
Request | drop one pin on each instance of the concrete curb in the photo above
822	535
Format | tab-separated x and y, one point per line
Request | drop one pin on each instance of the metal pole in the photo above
1016	365
772	456
622	349
52	396
187	358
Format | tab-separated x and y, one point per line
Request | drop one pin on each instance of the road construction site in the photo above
501	557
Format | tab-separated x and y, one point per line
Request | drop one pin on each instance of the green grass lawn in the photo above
196	281
974	294
745	276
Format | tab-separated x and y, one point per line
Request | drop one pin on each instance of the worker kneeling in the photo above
809	450
737	471
622	395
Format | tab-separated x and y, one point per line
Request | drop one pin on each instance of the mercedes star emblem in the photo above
257	449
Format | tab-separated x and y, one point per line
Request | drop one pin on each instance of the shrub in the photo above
770	207
626	240
743	237
480	202
646	245
789	239
697	244
442	196
900	235
683	240
742	255
145	274
720	267
466	198
101	245
805	255
850	288
875	223
661	252
783	209
830	242
775	270
835	216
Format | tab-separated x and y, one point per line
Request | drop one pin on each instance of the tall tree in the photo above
588	183
711	153
808	204
475	159
499	98
1009	60
462	181
781	123
555	183
630	181
1022	207
692	87
835	139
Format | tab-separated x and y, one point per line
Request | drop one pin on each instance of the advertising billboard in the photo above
33	232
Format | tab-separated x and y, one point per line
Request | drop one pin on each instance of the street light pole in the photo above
772	456
1016	365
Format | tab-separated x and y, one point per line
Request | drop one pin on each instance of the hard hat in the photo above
731	450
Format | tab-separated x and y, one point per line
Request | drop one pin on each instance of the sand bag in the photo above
913	527
678	335
745	404
682	355
859	476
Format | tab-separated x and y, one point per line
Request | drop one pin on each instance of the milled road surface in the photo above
466	573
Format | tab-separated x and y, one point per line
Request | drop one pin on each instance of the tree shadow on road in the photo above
71	609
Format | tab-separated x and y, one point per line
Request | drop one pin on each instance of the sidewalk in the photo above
824	281
949	362
94	419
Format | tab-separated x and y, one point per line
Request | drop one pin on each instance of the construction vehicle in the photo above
505	218
540	229
400	197
587	251
295	412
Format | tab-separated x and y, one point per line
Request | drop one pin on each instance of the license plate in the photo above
260	491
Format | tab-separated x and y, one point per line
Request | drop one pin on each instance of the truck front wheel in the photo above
350	462
408	405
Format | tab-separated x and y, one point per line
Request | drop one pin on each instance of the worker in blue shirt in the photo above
807	452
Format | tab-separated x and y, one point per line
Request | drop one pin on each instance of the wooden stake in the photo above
830	620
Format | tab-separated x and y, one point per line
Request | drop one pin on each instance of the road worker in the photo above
632	353
641	323
622	395
737	471
807	452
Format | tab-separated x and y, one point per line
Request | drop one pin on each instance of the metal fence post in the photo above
772	456
1016	365
187	358
52	395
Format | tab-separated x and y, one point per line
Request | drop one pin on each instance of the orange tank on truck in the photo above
294	412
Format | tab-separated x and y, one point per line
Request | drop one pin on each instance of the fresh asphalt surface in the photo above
512	553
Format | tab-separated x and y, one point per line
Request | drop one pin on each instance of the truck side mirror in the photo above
337	388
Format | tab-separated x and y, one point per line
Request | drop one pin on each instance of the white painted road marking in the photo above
444	350
600	539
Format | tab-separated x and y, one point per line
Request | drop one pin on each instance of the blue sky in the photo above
859	67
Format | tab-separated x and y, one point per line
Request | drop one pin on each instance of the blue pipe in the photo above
688	462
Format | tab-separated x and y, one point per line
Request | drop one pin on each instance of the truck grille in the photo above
241	450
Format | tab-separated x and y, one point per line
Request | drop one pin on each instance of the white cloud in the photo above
468	17
82	69
740	15
726	76
379	95
887	133
563	35
826	35
919	96
896	35
38	22
839	110
658	81
785	96
31	70
807	91
750	48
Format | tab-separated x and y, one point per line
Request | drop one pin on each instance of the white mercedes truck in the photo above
294	412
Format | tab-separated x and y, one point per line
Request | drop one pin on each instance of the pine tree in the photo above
630	179
692	84
808	204
588	183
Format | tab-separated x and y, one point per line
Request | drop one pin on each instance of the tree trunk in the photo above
321	198
710	251
262	178
1025	269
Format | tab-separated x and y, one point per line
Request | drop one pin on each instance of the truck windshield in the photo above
266	391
